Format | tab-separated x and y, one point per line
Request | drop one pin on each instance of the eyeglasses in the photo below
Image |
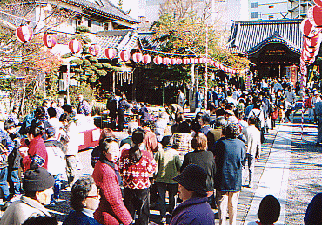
94	196
110	139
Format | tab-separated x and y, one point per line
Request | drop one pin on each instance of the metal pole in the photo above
299	9
114	82
206	69
68	78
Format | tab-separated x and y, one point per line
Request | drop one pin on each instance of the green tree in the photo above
183	27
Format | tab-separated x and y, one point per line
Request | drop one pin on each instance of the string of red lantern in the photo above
311	30
24	34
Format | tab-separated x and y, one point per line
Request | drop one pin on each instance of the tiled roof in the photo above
147	41
275	38
108	9
118	39
245	35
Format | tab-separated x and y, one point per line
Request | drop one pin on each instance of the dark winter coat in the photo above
230	158
194	211
204	159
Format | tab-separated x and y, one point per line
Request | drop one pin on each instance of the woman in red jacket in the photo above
111	209
37	154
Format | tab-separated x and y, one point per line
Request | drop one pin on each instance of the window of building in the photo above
89	23
254	5
270	6
270	17
254	15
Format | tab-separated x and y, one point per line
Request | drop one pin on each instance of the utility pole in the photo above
206	69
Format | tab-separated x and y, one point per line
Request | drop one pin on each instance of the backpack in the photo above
258	123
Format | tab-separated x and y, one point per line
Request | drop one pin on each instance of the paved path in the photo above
274	179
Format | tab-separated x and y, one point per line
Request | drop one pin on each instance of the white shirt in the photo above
232	100
277	86
56	125
181	99
253	138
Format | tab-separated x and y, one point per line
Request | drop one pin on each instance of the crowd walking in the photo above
203	162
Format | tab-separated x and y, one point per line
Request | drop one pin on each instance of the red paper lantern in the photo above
202	60
173	61
166	61
318	2
24	33
94	49
309	54
137	57
186	61
312	41
314	14
50	40
179	61
158	60
110	53
146	59
125	55
193	60
75	46
306	27
312	60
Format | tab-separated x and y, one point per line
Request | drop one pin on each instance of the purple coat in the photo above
195	211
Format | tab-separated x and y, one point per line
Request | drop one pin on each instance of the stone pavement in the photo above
274	178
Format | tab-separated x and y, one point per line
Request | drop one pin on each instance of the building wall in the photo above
268	9
294	11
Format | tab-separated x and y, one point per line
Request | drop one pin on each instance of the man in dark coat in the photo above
112	107
229	153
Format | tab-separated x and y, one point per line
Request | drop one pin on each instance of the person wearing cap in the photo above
84	200
229	155
37	185
192	190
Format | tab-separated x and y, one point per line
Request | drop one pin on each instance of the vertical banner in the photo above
288	72
248	81
293	75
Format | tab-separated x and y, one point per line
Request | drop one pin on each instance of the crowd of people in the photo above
132	175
